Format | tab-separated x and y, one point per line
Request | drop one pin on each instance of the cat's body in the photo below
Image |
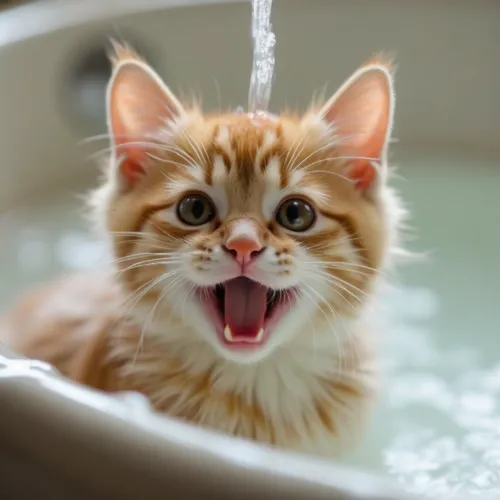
305	397
247	249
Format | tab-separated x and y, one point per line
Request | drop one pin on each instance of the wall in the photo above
447	78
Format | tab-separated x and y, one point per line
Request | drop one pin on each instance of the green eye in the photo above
296	215
195	210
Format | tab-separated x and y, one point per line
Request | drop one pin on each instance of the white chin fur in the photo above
242	357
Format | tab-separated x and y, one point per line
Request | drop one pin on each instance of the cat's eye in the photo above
296	215
195	209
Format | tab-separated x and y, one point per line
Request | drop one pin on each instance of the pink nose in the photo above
243	249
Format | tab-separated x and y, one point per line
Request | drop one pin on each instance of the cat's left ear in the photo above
141	111
359	117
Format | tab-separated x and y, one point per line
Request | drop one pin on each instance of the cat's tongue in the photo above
245	309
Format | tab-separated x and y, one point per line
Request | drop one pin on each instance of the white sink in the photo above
75	443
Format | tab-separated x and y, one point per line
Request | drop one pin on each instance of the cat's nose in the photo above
243	249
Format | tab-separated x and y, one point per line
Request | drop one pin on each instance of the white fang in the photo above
228	334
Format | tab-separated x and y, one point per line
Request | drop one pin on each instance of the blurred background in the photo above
54	68
439	422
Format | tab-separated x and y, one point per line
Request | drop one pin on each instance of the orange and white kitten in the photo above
246	248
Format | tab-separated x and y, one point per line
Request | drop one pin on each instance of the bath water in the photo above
437	427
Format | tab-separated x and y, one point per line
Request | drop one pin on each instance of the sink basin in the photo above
76	443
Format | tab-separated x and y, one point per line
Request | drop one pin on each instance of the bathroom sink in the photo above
67	441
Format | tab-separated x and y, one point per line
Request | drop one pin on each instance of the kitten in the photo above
247	250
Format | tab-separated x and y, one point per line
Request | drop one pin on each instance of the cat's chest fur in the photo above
312	395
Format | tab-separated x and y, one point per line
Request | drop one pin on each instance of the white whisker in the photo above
328	319
330	277
150	316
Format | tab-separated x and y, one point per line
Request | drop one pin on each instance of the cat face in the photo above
246	230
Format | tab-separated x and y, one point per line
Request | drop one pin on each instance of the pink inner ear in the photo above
131	170
139	108
359	116
363	174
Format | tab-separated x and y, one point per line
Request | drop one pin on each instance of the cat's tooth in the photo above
259	336
228	334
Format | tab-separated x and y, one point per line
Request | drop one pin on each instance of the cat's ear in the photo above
140	110
359	117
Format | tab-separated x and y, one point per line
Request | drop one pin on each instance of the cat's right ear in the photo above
140	110
359	118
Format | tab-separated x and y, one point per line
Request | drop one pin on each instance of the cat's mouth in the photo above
245	312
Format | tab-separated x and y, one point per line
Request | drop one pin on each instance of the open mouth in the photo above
245	312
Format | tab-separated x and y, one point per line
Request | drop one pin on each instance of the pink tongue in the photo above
245	306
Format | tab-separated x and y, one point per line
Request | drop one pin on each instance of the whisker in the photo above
146	287
191	142
161	230
336	286
202	153
149	254
296	152
316	151
148	145
150	315
135	297
147	263
329	172
331	158
145	254
323	301
174	308
350	265
185	297
331	245
347	333
95	138
345	270
162	238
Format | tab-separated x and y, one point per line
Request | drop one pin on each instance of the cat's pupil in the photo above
293	213
198	209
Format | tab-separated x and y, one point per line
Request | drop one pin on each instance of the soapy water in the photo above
261	79
436	430
443	406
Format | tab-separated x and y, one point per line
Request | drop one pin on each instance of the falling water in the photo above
261	79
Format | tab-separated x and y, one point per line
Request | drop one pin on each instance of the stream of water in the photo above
261	80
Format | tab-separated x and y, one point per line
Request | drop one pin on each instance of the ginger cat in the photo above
247	249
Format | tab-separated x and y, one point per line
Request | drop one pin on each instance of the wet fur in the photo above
312	387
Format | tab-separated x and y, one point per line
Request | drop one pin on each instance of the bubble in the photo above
77	251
